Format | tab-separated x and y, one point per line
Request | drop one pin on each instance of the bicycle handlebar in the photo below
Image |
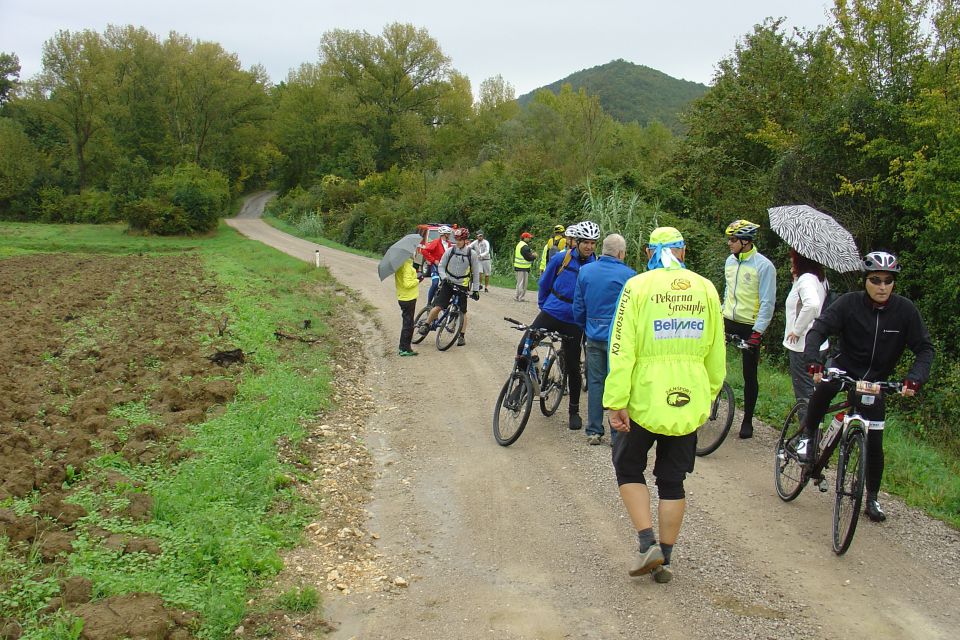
544	333
838	374
737	341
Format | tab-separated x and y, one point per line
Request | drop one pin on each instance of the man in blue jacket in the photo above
557	286
594	303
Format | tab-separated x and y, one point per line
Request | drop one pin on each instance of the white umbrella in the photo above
817	236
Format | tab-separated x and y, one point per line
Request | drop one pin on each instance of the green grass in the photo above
925	476
303	600
286	227
222	517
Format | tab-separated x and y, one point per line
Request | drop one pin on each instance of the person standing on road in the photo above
554	245
874	327
457	264
408	288
523	259
804	303
598	288
748	303
667	364
482	247
557	287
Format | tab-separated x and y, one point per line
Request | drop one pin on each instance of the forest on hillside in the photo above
632	92
857	118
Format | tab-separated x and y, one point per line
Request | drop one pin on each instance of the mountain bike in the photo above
530	378
448	324
713	432
847	432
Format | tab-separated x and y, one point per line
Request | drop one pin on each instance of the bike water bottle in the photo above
832	431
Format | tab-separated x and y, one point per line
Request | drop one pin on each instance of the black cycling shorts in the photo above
675	455
445	294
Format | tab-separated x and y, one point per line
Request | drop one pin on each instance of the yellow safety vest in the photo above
519	262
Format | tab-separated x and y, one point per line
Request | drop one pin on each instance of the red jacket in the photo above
434	250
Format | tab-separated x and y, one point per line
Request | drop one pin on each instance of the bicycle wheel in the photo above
449	329
513	408
554	383
851	477
417	323
713	432
787	469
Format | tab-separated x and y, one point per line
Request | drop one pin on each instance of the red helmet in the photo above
462	234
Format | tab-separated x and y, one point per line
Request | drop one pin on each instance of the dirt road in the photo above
531	541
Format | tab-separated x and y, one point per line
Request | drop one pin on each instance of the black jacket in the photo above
872	338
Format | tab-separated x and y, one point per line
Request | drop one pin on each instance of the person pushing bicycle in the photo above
557	287
458	263
874	327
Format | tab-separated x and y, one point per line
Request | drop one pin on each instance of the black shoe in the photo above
874	511
803	450
746	433
575	422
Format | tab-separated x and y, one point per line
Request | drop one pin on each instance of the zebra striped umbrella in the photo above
817	236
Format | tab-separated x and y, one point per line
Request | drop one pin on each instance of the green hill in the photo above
632	92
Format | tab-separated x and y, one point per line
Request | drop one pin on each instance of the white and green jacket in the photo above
751	289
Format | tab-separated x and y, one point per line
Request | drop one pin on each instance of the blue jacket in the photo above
555	294
595	299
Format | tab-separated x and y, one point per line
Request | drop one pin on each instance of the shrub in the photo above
199	197
156	216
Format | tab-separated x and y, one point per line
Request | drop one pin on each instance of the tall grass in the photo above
625	213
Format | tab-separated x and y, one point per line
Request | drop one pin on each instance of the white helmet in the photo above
444	230
587	230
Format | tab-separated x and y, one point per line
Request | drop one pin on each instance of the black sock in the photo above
667	550
646	539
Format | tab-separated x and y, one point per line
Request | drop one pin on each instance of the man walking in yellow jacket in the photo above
667	363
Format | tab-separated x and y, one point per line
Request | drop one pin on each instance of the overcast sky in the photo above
529	43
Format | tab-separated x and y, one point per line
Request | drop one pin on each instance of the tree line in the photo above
857	118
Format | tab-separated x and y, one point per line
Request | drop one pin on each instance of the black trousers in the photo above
571	352
751	359
407	308
820	400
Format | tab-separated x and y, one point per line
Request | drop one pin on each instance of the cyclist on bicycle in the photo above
748	303
874	326
557	287
458	263
432	253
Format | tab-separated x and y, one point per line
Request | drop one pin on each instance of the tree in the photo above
9	76
396	77
18	160
75	82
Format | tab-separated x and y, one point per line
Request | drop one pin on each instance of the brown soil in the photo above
87	338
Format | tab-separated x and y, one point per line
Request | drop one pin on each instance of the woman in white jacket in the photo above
803	306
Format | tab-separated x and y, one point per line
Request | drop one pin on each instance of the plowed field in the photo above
100	356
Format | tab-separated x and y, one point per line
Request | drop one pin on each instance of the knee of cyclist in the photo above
669	489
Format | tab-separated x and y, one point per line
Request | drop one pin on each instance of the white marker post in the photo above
317	258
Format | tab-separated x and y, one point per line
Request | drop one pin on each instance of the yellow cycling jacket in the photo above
667	354
751	289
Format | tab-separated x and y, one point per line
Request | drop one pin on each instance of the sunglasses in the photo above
877	280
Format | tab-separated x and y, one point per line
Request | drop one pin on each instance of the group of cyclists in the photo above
657	355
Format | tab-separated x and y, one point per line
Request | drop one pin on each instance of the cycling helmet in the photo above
587	230
462	234
881	261
559	228
742	229
444	230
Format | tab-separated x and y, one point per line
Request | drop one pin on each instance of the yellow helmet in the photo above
742	229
